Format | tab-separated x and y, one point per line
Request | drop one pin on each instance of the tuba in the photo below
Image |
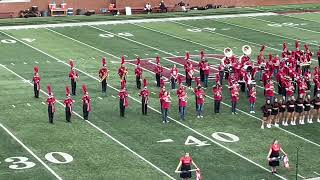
228	52
246	49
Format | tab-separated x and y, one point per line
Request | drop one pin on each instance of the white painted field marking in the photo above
90	123
12	64
165	141
113	96
187	127
28	104
153	93
36	62
134	21
147	54
125	56
43	103
316	173
183	75
301	176
25	63
93	58
263	20
31	152
48	61
136	55
100	98
13	106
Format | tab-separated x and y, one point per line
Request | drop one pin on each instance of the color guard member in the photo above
103	74
51	100
36	82
68	105
86	102
73	75
145	93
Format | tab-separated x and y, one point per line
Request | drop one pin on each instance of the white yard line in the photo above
316	173
93	125
30	151
133	21
172	61
301	176
178	122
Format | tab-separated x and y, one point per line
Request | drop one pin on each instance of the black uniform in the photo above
266	110
299	105
290	106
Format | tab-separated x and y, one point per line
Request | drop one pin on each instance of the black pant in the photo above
217	106
189	81
158	76
85	111
122	107
144	106
36	91
163	9
319	61
201	75
173	83
104	85
68	114
73	87
50	113
138	82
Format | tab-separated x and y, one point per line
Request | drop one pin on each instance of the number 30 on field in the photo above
220	136
19	163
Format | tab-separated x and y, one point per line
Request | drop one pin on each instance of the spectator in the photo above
163	7
183	6
112	9
148	8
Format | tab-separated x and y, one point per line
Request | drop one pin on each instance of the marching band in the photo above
290	73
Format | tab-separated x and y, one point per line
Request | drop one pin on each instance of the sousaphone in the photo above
228	52
246	49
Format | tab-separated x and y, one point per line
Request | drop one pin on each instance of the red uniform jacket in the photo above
174	73
121	71
158	69
234	95
36	80
269	89
68	103
165	102
200	96
86	99
51	101
206	68
73	75
138	71
217	93
145	93
183	100
252	96
123	94
102	72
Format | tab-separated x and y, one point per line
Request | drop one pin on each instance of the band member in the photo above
158	70
73	75
68	104
206	72
201	69
290	112
123	70
273	155
36	82
289	89
318	54
123	99
181	88
182	104
166	101
252	98
184	166
307	109
190	72
269	90
282	110
144	93
161	93
103	74
174	73
316	106
220	75
200	95
217	96
86	102
274	113
51	100
234	99
138	72
266	110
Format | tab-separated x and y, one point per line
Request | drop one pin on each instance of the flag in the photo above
198	175
286	162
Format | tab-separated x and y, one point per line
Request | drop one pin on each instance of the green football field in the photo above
224	146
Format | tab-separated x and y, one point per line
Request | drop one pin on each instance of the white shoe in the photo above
163	122
262	126
310	121
318	120
201	116
285	124
294	123
198	116
282	122
276	124
253	112
268	126
302	122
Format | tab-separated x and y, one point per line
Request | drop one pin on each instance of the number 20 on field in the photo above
18	162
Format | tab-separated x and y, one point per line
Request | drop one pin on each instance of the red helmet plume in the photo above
197	81
202	54
104	61
262	48
306	47
284	46
270	57
67	91
71	62
297	44
158	59
145	83
179	79
138	61
84	89
49	89
36	69
187	57
122	60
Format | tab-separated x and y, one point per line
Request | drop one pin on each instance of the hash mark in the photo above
316	173
43	103
13	106
147	54
153	93
25	63
100	97
48	61
12	64
28	104
36	62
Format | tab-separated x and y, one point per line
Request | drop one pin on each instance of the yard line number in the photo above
11	41
286	24
19	162
107	35
220	136
201	29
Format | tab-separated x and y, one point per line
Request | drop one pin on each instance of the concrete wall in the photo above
97	4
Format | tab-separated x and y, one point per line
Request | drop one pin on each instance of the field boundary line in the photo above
94	126
193	130
208	96
134	21
29	150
